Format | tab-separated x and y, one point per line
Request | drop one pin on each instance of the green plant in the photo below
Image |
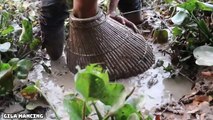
192	29
92	85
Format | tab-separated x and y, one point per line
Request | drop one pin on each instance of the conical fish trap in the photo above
103	40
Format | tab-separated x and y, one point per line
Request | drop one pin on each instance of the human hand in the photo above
124	21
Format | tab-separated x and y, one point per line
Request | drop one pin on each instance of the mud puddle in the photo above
154	85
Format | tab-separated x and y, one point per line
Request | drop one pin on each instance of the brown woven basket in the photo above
103	40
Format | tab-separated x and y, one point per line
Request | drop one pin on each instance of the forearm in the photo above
112	6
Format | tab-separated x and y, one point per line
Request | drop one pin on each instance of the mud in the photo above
154	86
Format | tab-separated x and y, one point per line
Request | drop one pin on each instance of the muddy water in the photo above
153	86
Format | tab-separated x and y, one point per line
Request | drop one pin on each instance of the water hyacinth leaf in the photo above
35	44
189	5
4	66
13	62
204	55
23	68
74	107
5	47
179	17
205	6
176	31
168	1
125	112
22	74
30	92
90	86
202	25
7	31
160	36
26	36
98	71
41	102
113	94
25	64
6	81
93	83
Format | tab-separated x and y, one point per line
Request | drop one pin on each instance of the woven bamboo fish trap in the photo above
102	40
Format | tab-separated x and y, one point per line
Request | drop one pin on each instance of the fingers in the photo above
132	26
126	22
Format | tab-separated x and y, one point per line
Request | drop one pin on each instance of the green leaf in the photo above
205	6
74	107
26	36
113	93
22	74
126	112
4	66
180	17
160	36
189	5
23	68
204	55
205	30
90	86
35	44
6	81
25	64
13	62
168	1
5	47
5	16
31	89
7	31
93	84
176	31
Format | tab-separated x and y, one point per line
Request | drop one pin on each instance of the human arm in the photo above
112	13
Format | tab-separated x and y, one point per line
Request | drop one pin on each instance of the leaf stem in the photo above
97	111
83	111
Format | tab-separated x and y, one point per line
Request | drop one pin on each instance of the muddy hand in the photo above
126	22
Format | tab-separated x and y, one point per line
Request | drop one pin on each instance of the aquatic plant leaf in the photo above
113	93
74	107
90	86
26	36
179	17
202	25
13	62
23	68
205	6
30	92
125	112
25	64
93	84
4	66
6	81
189	5
7	31
35	44
204	55
177	31
160	36
5	47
